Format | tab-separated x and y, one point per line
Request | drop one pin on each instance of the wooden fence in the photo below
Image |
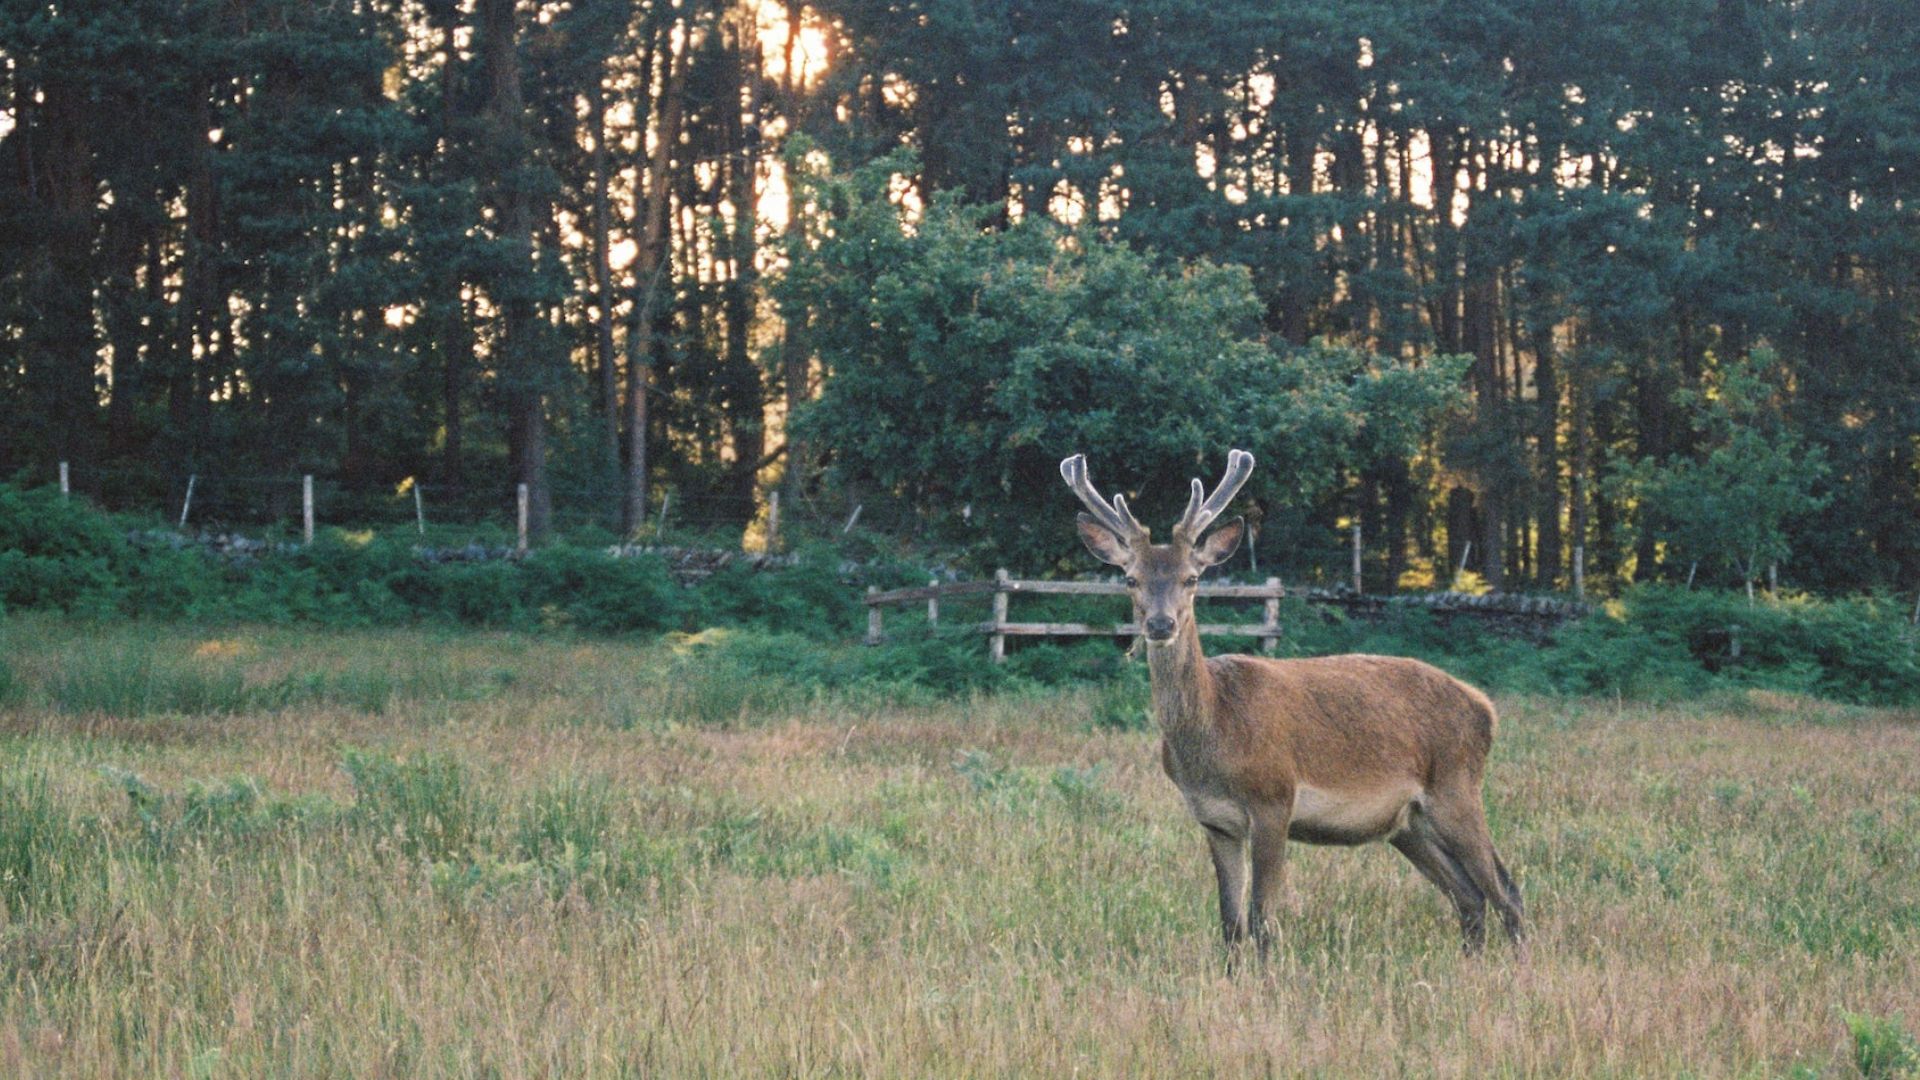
1535	616
1002	587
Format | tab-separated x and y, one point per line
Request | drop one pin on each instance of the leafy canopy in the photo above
965	361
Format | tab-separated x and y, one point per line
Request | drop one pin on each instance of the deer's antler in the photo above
1203	508
1115	515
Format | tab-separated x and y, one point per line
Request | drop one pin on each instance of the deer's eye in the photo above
1192	581
1132	582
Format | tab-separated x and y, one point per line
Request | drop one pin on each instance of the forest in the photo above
1498	281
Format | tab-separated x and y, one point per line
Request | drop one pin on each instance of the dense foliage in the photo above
969	361
791	631
586	247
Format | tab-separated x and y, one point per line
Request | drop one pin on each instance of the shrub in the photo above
591	591
1882	1049
422	803
1859	649
134	678
40	845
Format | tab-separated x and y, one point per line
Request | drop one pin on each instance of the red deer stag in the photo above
1330	750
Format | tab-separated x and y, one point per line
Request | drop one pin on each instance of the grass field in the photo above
274	852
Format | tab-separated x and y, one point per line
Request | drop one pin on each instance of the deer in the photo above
1337	750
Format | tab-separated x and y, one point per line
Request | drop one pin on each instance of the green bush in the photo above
591	591
63	555
422	804
1858	649
1123	703
138	679
792	625
808	598
1882	1049
41	846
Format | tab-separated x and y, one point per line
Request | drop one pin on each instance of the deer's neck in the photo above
1182	685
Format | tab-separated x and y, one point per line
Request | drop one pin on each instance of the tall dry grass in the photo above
520	857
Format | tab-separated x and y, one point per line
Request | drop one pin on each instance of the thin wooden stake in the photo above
665	501
419	509
1579	571
773	521
306	508
1357	590
997	645
521	546
1690	572
933	603
1271	618
187	503
1466	549
65	489
873	616
852	518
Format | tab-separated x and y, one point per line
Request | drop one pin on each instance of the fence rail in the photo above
1538	614
1003	586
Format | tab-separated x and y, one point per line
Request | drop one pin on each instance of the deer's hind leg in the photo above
1424	850
1459	824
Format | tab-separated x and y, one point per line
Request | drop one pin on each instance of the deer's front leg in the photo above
1267	841
1230	873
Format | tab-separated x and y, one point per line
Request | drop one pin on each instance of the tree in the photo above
964	362
1735	502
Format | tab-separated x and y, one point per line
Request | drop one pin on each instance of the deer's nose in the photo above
1159	627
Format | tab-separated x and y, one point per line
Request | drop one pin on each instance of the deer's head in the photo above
1161	577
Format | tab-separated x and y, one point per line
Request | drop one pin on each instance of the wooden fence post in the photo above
933	603
1270	622
997	645
873	616
521	546
65	489
306	508
1357	589
187	503
419	509
1579	571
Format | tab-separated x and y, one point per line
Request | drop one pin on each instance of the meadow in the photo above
299	852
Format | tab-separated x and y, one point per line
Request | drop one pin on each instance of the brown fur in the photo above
1329	750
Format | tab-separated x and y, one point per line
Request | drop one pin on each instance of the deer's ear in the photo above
1105	546
1221	544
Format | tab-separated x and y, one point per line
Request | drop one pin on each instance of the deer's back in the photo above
1343	723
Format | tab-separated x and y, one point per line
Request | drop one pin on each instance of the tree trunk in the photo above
1651	392
186	399
57	342
453	337
1580	421
120	301
522	374
653	269
746	396
609	402
795	365
1546	381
